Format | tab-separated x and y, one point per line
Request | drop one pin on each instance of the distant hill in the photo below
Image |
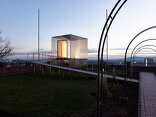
136	59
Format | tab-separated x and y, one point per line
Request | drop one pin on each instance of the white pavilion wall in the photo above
79	48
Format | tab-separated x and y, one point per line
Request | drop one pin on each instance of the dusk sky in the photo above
79	17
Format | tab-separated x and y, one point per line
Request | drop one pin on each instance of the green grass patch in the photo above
47	95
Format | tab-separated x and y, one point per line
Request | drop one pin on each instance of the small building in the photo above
70	47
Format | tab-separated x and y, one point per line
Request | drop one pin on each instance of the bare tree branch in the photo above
5	48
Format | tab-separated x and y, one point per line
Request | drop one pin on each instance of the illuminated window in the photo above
62	48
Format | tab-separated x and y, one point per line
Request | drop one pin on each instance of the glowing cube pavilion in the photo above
70	46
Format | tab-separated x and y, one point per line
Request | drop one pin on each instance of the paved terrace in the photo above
147	95
81	71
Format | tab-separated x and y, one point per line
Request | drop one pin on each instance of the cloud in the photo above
41	49
20	53
120	49
32	52
92	51
18	48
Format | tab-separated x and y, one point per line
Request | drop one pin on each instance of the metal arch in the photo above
100	80
132	60
125	61
99	110
137	50
142	49
138	45
109	28
107	34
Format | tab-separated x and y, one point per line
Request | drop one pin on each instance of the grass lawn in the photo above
31	95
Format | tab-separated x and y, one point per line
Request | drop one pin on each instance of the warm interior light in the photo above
146	62
62	48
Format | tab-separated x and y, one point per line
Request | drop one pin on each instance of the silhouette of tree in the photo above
5	47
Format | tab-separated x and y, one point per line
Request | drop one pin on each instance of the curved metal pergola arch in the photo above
105	30
138	45
99	70
142	49
132	58
125	61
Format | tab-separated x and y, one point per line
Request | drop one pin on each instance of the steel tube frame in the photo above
132	60
38	34
99	110
106	37
104	40
125	61
99	48
142	49
100	64
137	51
139	44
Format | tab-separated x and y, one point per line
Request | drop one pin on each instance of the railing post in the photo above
92	67
33	56
34	69
27	57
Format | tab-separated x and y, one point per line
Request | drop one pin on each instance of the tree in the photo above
5	48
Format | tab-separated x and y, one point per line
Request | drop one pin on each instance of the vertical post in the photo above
107	35
27	57
43	70
92	67
131	67
38	34
59	69
63	73
34	69
50	68
69	73
52	73
87	67
33	56
106	45
40	68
